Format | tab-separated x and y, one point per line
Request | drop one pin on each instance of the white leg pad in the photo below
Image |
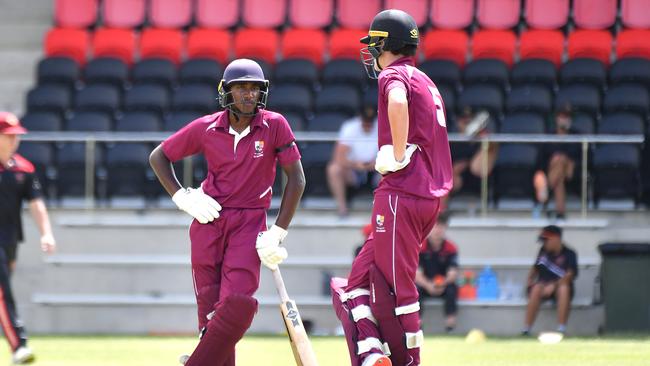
367	344
354	294
407	309
414	340
362	312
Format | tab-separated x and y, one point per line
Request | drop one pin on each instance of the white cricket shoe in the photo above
183	359
23	355
376	359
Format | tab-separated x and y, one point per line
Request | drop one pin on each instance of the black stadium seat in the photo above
298	71
530	98
327	122
89	122
293	98
49	98
42	121
344	71
584	71
621	123
480	97
138	122
154	71
338	98
442	72
630	70
523	123
370	96
103	98
315	156
296	121
58	70
616	172
487	71
627	98
174	121
147	97
107	70
200	71
581	98
71	159
200	98
535	71
128	172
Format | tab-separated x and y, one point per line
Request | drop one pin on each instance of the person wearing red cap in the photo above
18	183
551	277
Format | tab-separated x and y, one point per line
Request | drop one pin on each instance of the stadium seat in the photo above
344	71
581	122
451	14
161	43
630	70
616	172
41	155
311	13
535	71
67	42
58	70
296	121
633	43
344	43
138	122
174	121
338	98
327	122
580	98
41	121
628	98
357	14
514	170
634	13
292	98
102	98
298	71
195	98
498	14
75	13
547	14
498	44
209	43
487	71
370	96
147	97
257	43
154	71
107	70
127	167
449	100
116	43
123	13
264	13
418	9
217	14
542	44
584	71
71	159
446	45
315	156
89	122
200	71
530	99
622	123
594	14
595	44
442	72
480	97
49	98
170	13
309	44
520	123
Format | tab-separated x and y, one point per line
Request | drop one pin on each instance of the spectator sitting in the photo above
438	270
551	277
353	160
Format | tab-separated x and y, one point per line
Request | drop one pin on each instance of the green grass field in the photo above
272	350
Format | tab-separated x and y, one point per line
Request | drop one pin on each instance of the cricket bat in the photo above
300	345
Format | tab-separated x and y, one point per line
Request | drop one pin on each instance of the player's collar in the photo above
405	60
223	121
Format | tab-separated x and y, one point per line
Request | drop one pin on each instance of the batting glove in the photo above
198	204
386	163
268	247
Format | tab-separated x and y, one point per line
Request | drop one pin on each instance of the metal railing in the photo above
91	139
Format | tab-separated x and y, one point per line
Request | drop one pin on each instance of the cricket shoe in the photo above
22	356
183	359
376	359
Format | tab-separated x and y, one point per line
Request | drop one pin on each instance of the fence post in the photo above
485	144
583	188
89	183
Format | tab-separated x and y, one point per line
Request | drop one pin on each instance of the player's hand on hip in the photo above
198	204
268	247
48	244
386	163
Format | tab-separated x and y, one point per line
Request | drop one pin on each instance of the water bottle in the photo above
488	285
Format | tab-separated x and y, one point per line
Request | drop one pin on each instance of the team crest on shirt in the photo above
259	149
379	224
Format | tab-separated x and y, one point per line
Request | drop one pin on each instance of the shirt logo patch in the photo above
259	149
379	222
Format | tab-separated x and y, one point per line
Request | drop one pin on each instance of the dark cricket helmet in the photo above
242	71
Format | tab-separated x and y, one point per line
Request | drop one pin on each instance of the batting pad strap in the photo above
407	309
362	312
369	343
414	340
345	296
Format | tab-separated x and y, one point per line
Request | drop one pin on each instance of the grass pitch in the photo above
275	350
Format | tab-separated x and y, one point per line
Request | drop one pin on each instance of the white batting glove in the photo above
198	204
268	247
386	163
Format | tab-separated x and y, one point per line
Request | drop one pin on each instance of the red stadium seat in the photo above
161	43
117	43
497	44
596	44
452	14
635	13
68	42
123	13
75	13
217	13
304	43
547	14
417	8
498	14
209	43
633	43
447	45
259	44
344	43
311	13
594	14
170	13
264	13
542	43
357	13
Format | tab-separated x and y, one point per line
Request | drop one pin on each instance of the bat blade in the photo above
300	344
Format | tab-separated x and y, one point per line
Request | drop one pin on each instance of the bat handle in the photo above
279	284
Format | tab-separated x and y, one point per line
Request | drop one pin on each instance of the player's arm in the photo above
422	281
163	169
452	275
39	213
292	193
568	277
532	276
398	117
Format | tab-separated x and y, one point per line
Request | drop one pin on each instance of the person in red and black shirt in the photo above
438	270
551	277
18	183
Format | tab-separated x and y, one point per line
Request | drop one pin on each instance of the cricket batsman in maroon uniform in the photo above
229	236
378	305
